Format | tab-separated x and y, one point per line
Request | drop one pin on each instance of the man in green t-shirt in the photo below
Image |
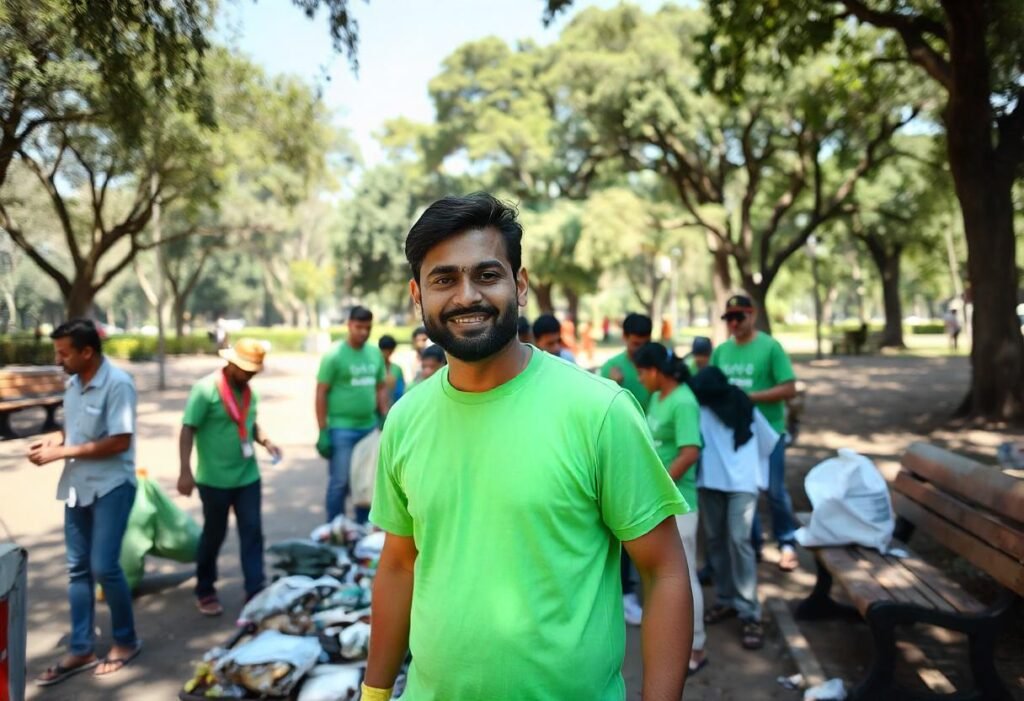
351	397
756	363
220	418
505	484
636	332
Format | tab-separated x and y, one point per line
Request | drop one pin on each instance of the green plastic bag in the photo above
156	526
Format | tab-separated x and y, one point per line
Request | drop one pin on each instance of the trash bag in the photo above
332	682
290	596
304	557
156	526
364	468
271	664
851	504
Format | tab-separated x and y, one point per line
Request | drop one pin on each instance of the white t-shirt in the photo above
727	469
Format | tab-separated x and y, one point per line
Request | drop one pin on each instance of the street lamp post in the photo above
812	252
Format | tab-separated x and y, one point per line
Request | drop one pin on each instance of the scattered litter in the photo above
832	690
794	681
330	682
270	664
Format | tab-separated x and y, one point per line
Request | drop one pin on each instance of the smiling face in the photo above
469	295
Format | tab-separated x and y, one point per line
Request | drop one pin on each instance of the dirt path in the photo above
876	405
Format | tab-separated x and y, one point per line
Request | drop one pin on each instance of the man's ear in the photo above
414	292
522	287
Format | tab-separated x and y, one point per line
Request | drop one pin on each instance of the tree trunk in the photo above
759	295
79	302
887	259
721	284
178	309
544	297
573	300
983	176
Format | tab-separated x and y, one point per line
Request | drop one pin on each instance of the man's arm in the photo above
263	439
667	629
49	451
392	606
778	393
382	399
684	460
186	482
322	390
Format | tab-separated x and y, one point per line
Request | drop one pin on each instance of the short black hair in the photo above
420	331
545	324
436	352
453	215
637	325
387	342
523	325
82	332
360	313
657	356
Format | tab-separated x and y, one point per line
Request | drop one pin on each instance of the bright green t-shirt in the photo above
758	365
517	499
353	376
675	422
631	380
220	462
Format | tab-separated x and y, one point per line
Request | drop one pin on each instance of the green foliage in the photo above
23	349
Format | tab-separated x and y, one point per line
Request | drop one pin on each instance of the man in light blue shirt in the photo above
98	490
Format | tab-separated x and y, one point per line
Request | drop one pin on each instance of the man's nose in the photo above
467	292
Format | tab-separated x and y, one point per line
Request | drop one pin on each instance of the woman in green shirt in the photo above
673	416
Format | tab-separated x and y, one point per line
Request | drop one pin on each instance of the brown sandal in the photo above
209	606
719	613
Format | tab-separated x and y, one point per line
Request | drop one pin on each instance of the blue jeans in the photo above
727	518
217	503
339	467
93	536
783	522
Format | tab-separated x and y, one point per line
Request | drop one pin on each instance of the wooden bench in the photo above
973	510
25	387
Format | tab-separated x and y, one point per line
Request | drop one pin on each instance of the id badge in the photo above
247	449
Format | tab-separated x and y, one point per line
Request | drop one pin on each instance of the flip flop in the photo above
719	613
692	670
118	663
61	672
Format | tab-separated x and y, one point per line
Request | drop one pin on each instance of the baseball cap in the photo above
738	303
701	346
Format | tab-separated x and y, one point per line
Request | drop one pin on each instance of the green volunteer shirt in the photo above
220	462
517	500
755	366
631	380
353	376
675	422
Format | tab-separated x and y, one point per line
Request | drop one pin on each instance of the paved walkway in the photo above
174	633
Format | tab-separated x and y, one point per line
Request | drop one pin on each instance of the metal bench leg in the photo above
6	433
982	657
820	603
879	682
51	419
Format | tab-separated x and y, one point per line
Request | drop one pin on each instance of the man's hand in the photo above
616	376
45	452
273	449
186	483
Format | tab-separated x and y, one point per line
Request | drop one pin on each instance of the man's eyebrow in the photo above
452	269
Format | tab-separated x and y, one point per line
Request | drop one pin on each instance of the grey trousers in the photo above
727	518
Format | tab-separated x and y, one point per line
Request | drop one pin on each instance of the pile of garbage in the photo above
306	636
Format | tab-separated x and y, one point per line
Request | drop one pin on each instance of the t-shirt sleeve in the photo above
195	407
325	375
606	369
782	368
120	410
634	491
390	508
687	424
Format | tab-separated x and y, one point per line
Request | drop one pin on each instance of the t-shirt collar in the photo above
98	380
503	390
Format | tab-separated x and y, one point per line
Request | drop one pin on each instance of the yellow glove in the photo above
371	694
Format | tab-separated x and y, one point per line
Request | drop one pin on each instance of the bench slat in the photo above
15	404
899	582
971	481
1002	536
1002	568
854	576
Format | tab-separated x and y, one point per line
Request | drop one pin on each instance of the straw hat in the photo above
246	354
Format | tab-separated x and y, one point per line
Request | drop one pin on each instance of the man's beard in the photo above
483	344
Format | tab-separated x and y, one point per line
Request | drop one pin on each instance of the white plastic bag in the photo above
851	504
271	664
364	468
332	682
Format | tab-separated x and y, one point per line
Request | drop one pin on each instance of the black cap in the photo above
701	346
738	303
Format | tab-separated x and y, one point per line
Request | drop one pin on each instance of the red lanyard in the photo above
238	415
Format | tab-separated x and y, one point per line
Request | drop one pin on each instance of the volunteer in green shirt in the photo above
756	363
394	378
673	415
220	418
506	483
636	331
350	399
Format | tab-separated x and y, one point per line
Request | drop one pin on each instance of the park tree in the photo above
759	174
972	55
